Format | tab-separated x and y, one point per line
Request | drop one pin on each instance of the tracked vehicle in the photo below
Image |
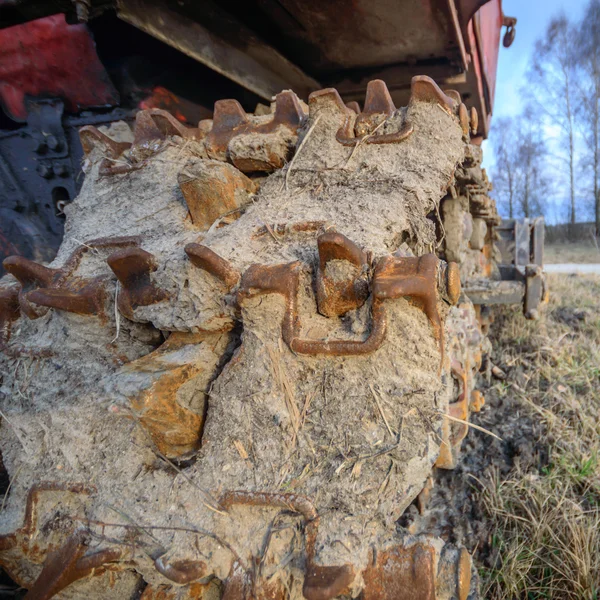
262	332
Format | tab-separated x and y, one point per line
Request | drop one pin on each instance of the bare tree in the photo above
503	137
521	182
588	60
552	90
532	174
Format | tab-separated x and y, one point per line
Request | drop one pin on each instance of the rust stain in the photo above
282	229
477	401
293	502
221	189
175	430
161	592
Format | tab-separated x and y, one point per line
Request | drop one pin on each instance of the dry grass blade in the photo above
308	134
282	380
117	314
381	411
240	448
479	428
545	517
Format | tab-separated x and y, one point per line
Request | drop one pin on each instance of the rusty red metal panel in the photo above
484	41
489	21
48	58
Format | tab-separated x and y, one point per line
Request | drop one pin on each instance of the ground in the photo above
570	252
529	506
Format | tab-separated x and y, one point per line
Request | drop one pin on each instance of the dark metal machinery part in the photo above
40	167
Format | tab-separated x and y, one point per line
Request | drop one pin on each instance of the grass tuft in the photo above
545	513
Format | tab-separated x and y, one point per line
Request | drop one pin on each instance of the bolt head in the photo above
61	170
45	171
39	146
53	143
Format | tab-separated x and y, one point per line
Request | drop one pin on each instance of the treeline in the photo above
549	155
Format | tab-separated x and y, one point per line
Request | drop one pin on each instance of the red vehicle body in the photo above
67	64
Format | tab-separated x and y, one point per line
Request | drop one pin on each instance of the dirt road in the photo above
573	268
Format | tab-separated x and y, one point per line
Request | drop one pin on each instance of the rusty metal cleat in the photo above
455	95
456	428
266	144
401	573
474	118
378	106
79	296
181	571
326	583
91	137
31	275
67	564
425	89
418	572
454	573
463	117
411	277
168	125
207	260
229	118
9	311
133	266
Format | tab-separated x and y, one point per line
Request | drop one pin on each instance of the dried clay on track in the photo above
247	358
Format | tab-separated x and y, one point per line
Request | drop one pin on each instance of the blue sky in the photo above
532	19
